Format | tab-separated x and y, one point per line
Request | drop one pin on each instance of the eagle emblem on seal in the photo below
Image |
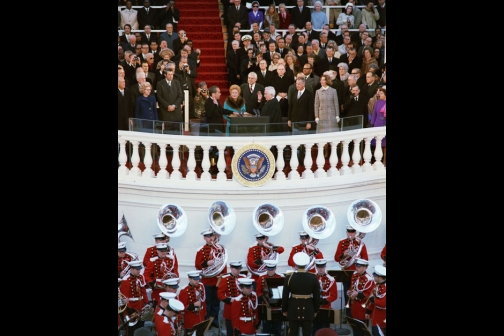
253	165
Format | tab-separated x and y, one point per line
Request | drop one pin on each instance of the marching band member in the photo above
383	255
204	259
122	259
171	286
244	309
164	320
269	327
258	254
343	251
307	248
134	288
164	264
328	291
300	297
193	298
151	250
361	286
228	291
377	305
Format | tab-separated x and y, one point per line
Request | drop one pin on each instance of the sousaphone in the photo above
222	220
123	229
172	220
364	216
269	221
319	222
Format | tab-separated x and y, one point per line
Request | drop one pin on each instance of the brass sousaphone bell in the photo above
172	220
319	222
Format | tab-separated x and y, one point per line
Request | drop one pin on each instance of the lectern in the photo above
243	126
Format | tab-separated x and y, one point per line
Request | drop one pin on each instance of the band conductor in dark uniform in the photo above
300	297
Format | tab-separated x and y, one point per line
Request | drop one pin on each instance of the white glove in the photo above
316	120
337	119
154	258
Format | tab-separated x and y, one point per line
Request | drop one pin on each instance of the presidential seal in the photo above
253	165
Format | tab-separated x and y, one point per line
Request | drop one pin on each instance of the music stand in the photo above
327	316
200	328
342	276
358	325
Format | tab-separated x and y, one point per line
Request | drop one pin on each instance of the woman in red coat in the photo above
284	17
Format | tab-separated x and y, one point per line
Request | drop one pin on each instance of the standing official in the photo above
205	262
306	247
273	326
193	297
300	297
245	318
134	288
228	291
328	292
361	286
376	308
169	96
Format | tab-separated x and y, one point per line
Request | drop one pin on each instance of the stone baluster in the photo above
366	166
163	162
148	172
378	154
123	158
191	163
356	157
135	160
205	164
333	160
320	172
307	173
176	174
294	163
221	164
345	159
280	164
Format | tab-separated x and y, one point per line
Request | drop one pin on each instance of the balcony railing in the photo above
208	158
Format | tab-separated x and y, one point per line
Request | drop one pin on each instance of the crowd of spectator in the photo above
331	75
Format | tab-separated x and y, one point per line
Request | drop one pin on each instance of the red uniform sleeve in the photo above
198	260
250	258
144	294
339	252
149	272
222	289
184	298
175	265
291	257
384	252
235	314
333	293
147	256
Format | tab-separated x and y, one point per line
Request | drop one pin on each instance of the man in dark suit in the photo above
371	84
170	14
268	55
237	15
251	96
125	105
214	112
264	76
300	296
356	105
148	36
281	47
281	83
147	16
300	14
186	75
169	96
270	107
330	34
233	64
312	34
329	62
301	110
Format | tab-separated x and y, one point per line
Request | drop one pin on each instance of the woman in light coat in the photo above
326	106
